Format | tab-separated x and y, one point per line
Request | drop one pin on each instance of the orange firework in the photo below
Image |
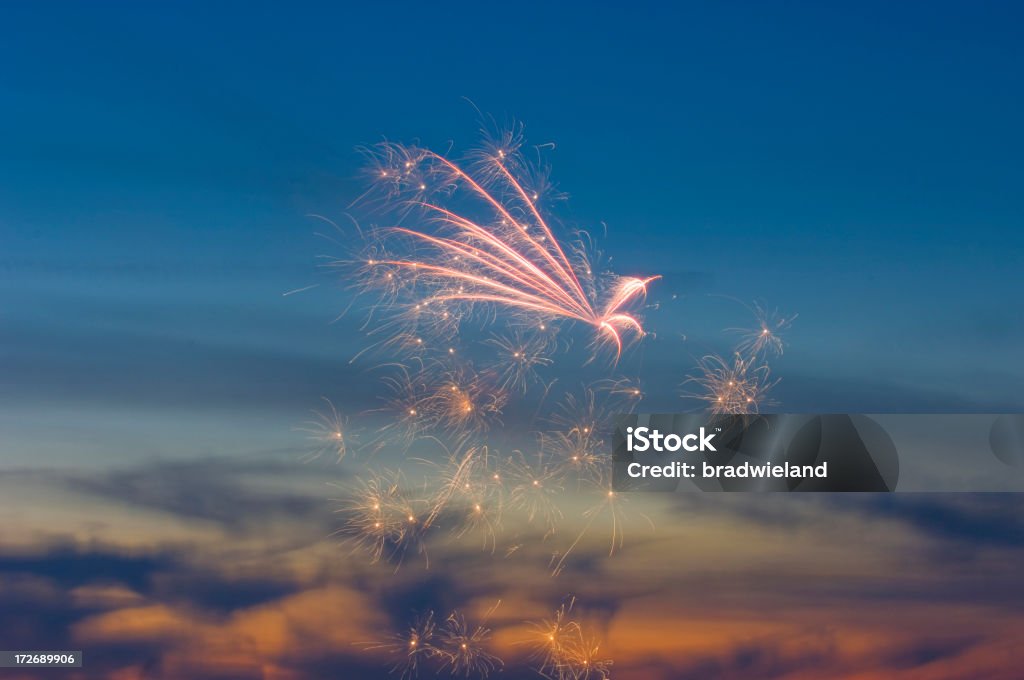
460	402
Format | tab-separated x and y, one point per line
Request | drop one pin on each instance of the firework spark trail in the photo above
472	489
471	493
629	391
610	508
511	259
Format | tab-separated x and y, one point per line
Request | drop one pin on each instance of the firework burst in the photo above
565	649
581	423
326	433
481	241
518	357
732	387
404	412
454	647
461	402
764	338
582	454
535	485
384	519
465	647
410	650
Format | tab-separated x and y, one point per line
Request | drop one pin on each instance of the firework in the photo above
518	357
460	402
454	646
403	410
588	411
608	512
583	661
472	492
411	649
551	639
581	453
627	391
501	253
565	650
465	647
735	387
383	519
471	242
326	433
438	397
534	488
581	424
764	338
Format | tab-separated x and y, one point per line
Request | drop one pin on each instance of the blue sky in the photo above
857	164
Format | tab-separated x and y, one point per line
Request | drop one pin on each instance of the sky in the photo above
855	164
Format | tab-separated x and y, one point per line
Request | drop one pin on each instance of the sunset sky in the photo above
858	165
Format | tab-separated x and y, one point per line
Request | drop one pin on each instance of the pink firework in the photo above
505	256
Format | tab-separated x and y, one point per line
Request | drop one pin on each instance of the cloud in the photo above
726	586
221	490
104	596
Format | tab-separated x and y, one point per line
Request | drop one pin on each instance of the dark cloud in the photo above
967	520
767	659
217	490
66	566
